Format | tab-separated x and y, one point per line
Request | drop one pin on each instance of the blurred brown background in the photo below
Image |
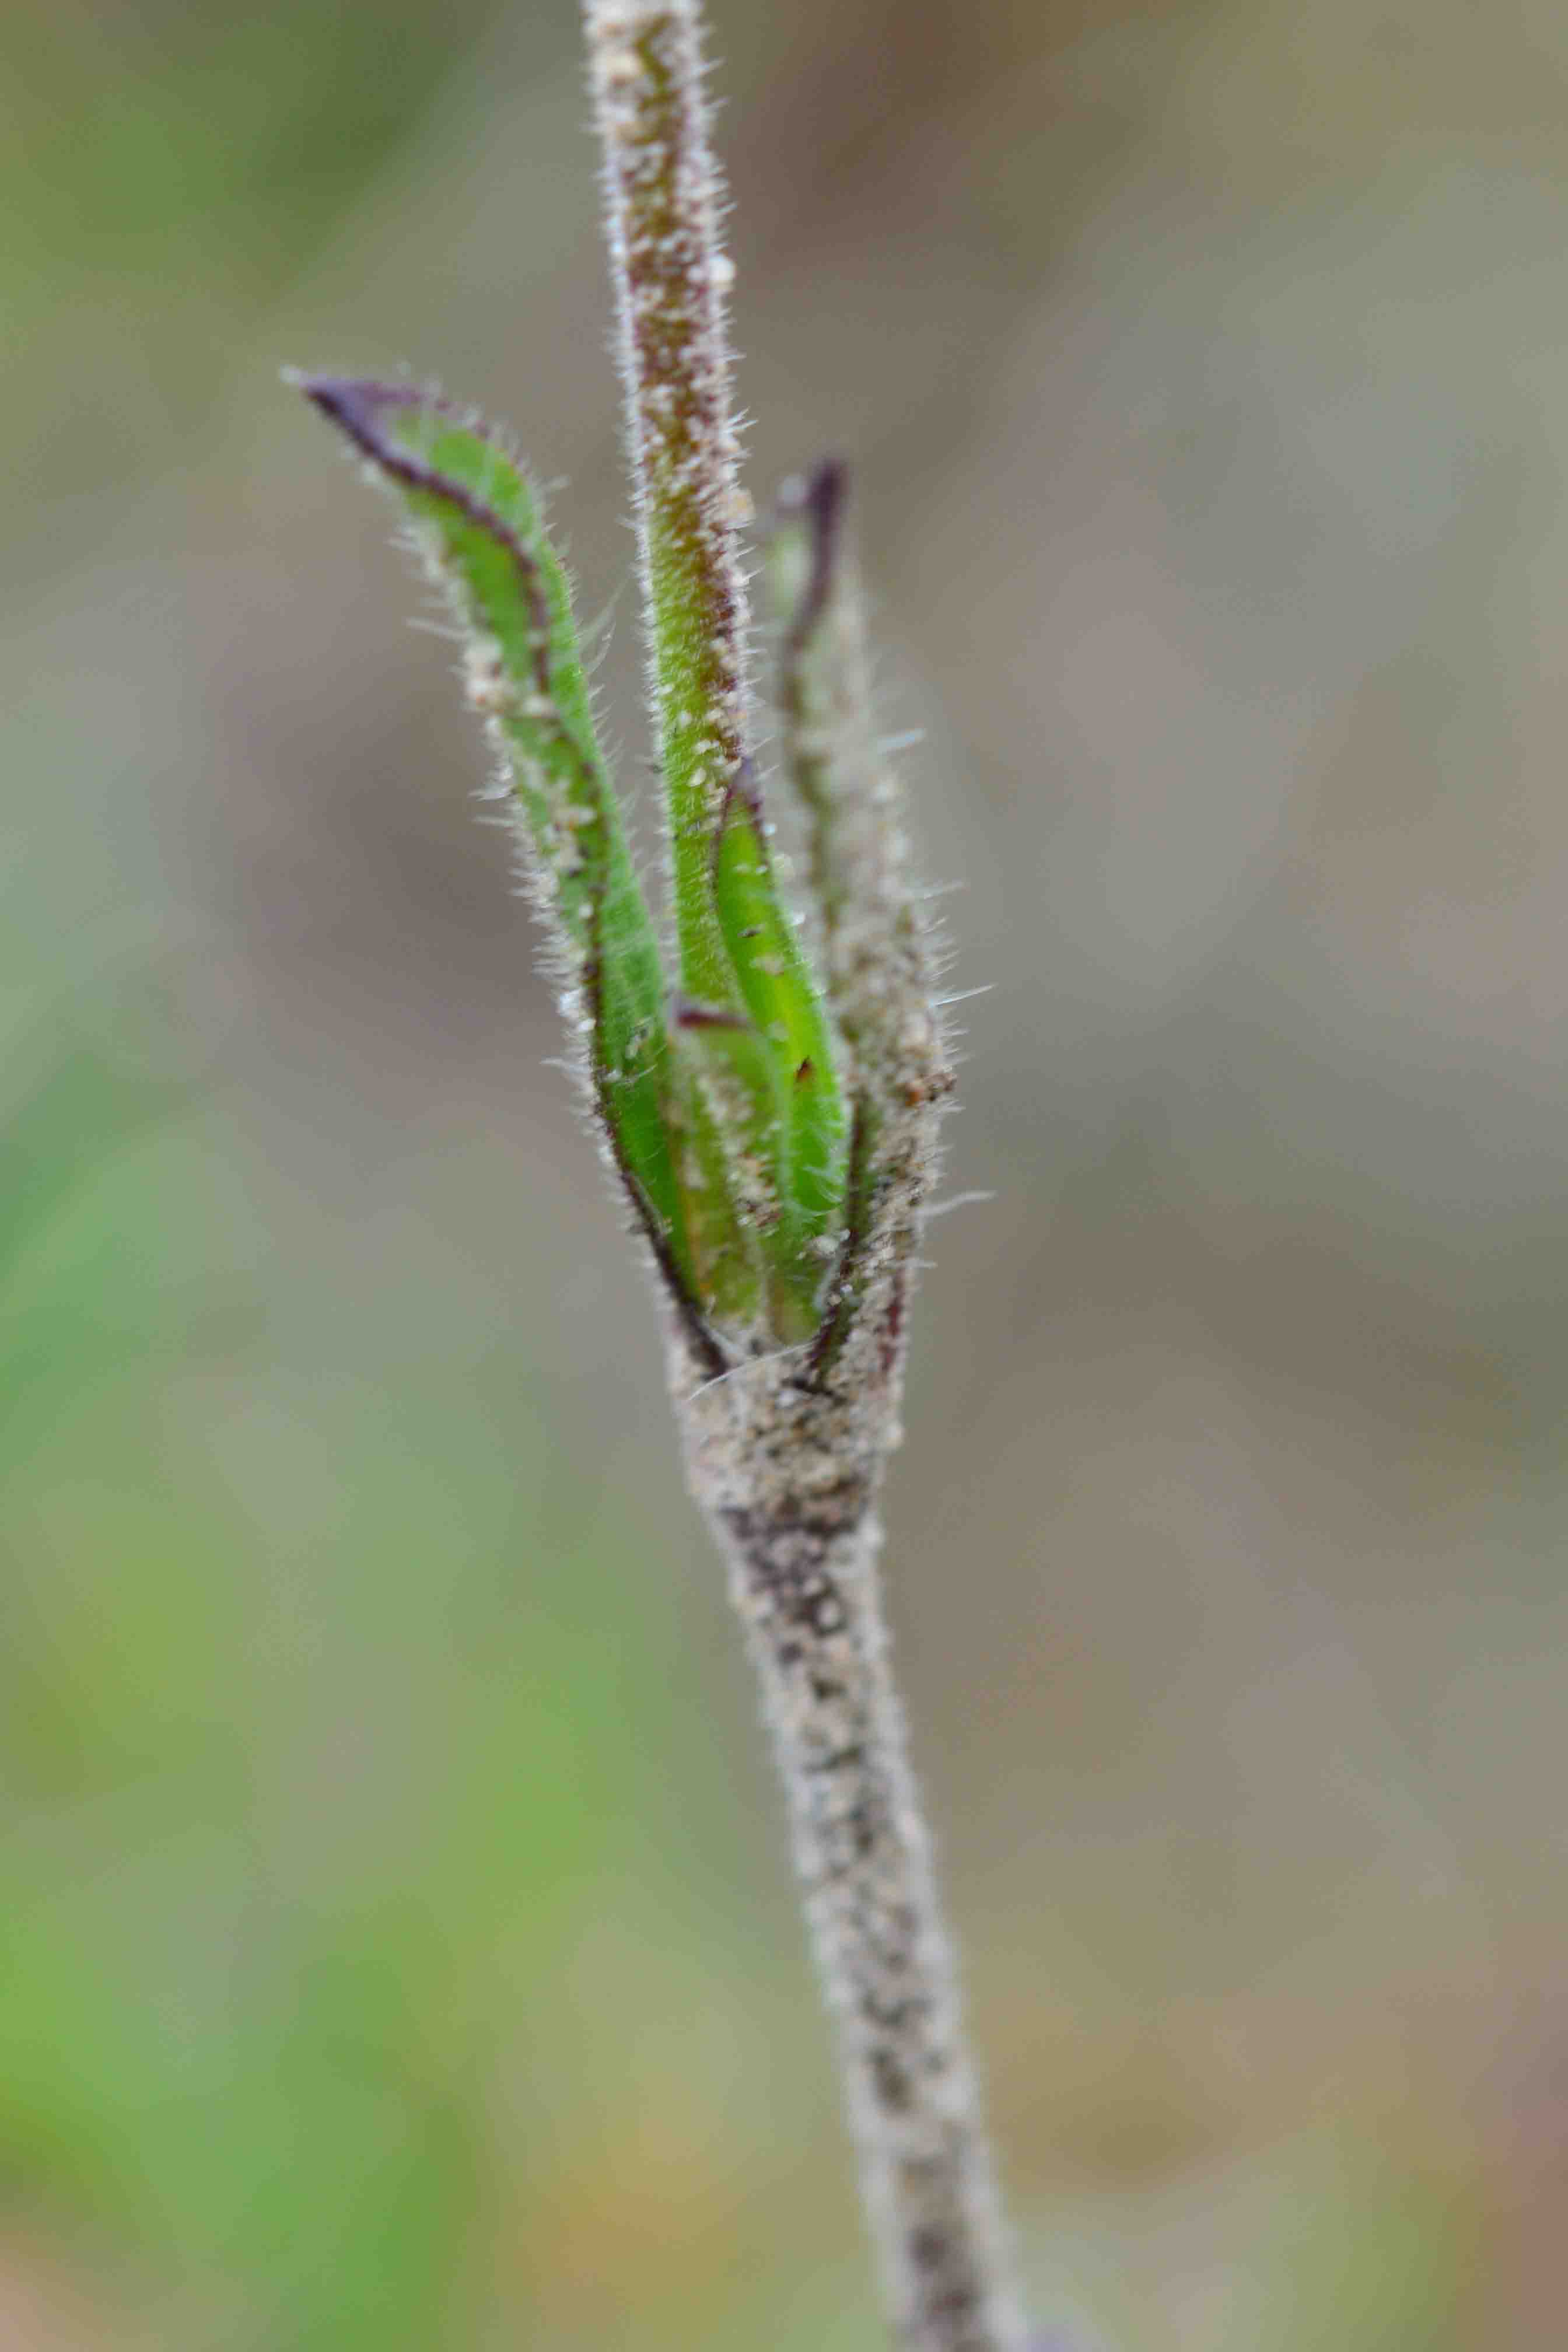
397	1946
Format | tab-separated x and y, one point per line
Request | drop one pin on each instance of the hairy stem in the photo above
784	1448
662	200
787	1476
738	948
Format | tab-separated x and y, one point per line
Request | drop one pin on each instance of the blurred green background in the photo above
395	1948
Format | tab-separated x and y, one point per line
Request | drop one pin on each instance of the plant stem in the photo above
787	1477
662	195
739	949
776	1143
784	1449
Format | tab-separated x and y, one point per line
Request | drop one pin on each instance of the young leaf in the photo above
878	957
877	954
477	526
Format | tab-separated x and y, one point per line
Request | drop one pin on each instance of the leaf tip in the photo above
816	501
354	403
819	495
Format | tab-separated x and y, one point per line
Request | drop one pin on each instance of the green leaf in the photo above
876	954
877	958
477	524
786	1014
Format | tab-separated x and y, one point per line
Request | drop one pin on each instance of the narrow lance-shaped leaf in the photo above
478	525
877	954
878	957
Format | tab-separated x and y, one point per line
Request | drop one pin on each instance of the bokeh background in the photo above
395	1947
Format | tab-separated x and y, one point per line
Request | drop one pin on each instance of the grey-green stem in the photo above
787	1476
784	1450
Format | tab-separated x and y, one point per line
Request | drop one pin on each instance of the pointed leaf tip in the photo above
820	493
816	501
356	404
